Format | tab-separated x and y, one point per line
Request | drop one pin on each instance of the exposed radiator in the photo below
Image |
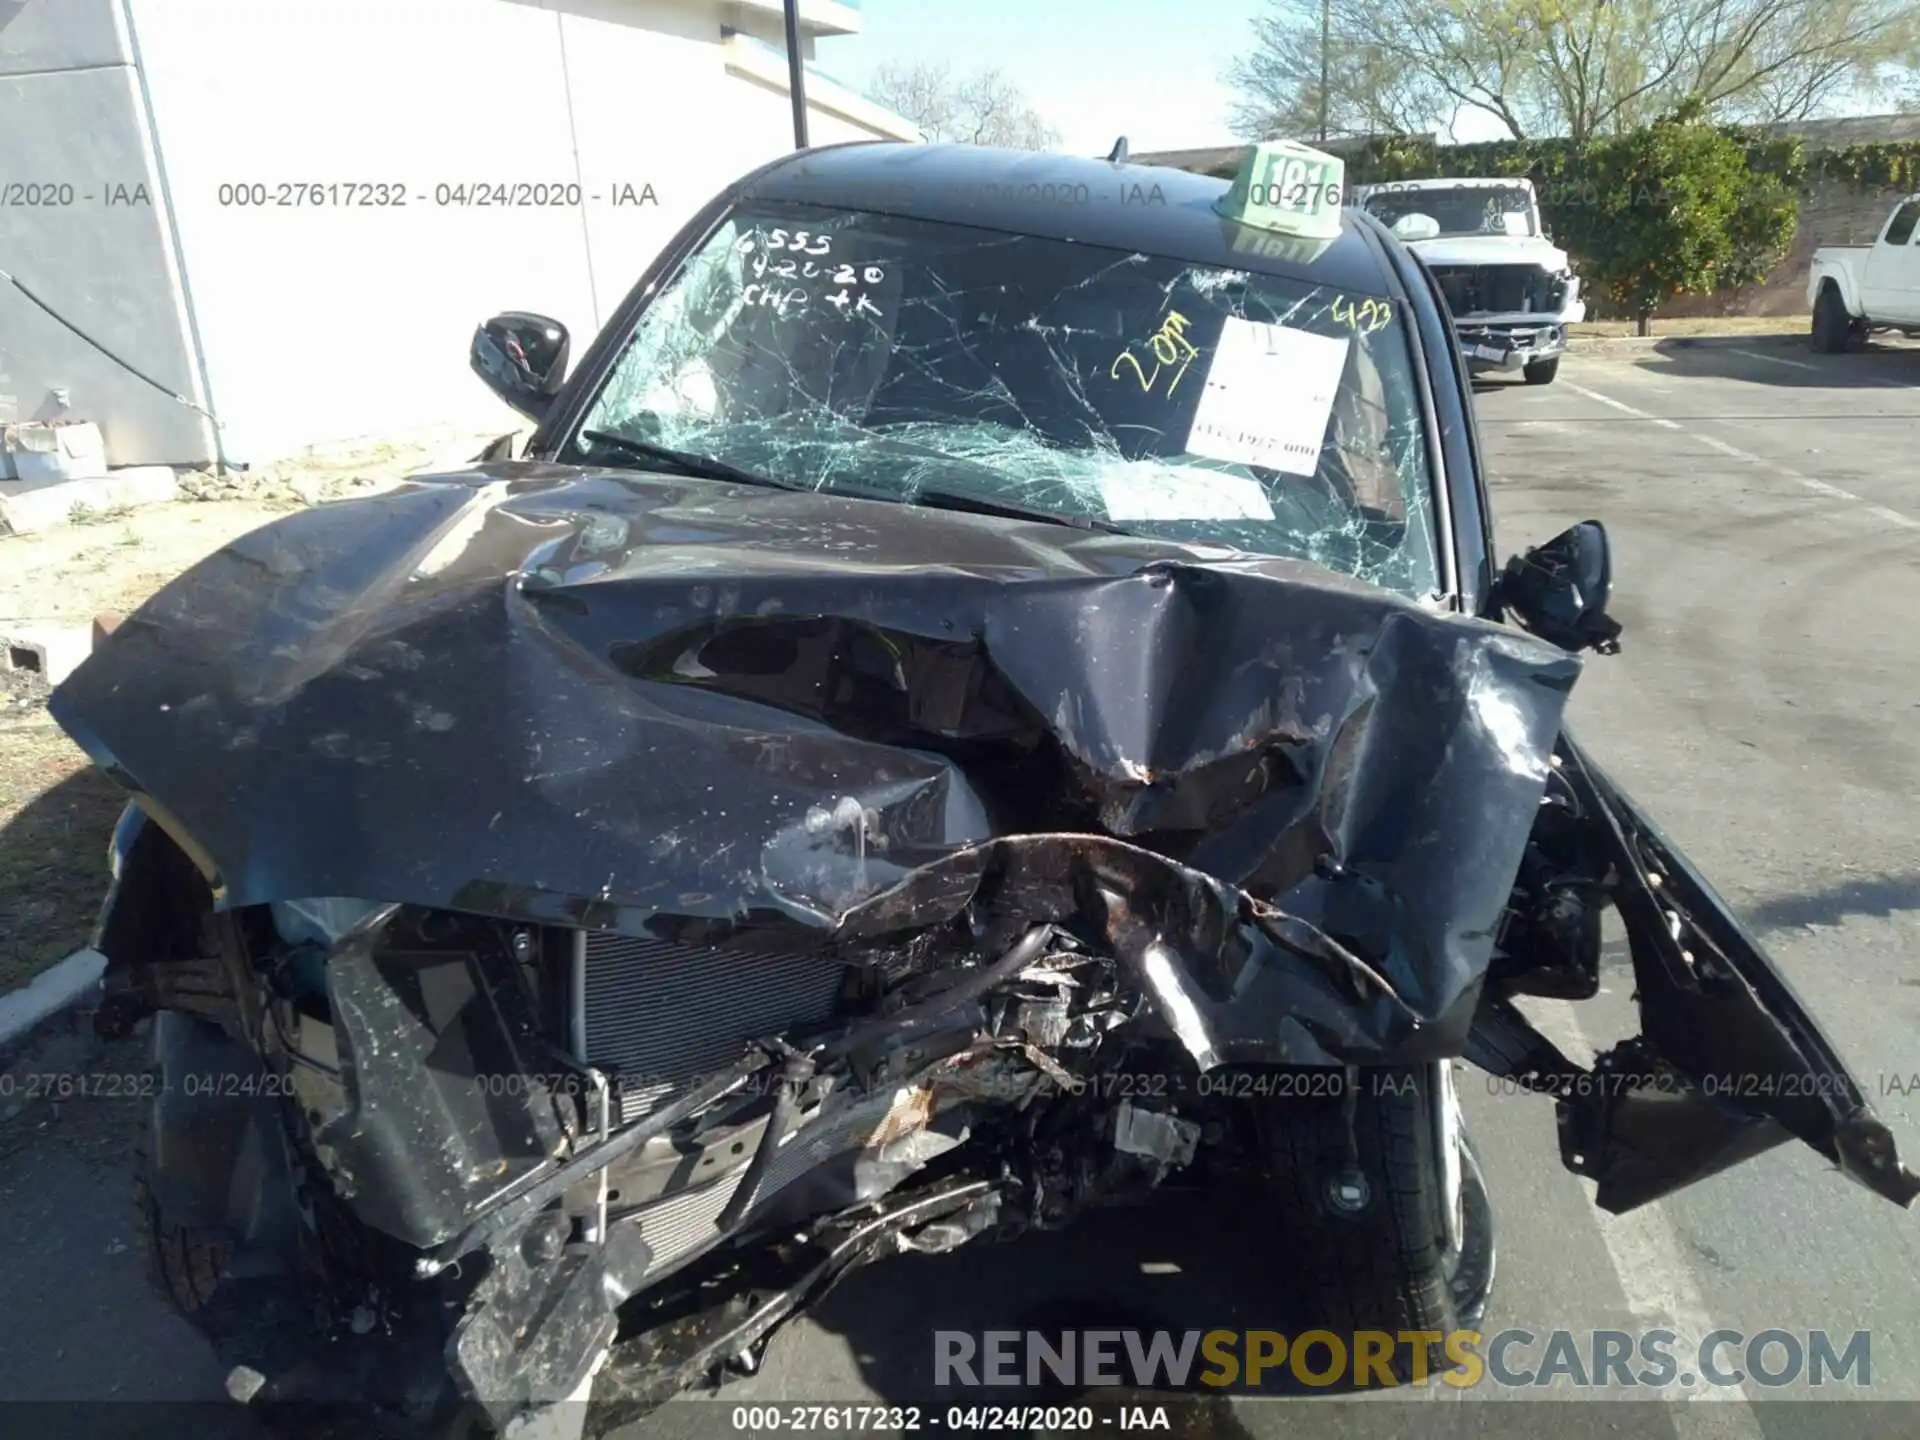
1499	289
659	1015
682	1223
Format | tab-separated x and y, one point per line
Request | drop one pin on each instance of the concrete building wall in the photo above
84	226
320	319
312	152
651	107
762	108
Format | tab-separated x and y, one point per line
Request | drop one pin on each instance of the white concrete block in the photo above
56	450
27	507
143	485
52	648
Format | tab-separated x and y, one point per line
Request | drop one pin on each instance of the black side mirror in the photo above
1559	590
523	359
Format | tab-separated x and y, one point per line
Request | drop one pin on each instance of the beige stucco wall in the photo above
320	321
72	131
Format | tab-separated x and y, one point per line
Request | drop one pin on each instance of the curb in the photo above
1600	344
29	507
69	985
1579	344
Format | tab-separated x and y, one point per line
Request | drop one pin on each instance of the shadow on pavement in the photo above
1194	1261
1785	360
1879	895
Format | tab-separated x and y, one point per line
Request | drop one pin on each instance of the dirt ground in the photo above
78	571
56	814
57	810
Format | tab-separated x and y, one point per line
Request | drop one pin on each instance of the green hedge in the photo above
1879	167
1889	166
1600	212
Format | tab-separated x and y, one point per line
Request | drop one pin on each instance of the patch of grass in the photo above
84	514
56	816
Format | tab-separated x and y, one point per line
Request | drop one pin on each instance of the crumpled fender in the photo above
1731	1062
643	702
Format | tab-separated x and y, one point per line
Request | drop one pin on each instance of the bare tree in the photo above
1278	84
981	109
1568	67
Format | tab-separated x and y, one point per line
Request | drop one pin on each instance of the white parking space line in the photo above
1819	487
1772	359
1650	1261
1621	406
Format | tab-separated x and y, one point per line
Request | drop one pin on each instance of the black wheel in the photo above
1833	327
1541	372
184	1262
1369	1225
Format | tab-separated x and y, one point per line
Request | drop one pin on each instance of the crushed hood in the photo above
1491	250
639	702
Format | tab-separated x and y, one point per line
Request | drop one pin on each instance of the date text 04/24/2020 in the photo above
957	1419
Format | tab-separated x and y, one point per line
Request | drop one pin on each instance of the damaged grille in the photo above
684	1222
1500	289
658	1015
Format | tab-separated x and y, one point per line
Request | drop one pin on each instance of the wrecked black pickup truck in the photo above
936	656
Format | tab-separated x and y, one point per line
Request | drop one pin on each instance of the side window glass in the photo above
1900	231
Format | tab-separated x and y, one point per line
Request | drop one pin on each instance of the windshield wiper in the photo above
937	499
699	466
934	498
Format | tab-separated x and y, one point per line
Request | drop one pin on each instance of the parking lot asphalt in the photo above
1764	508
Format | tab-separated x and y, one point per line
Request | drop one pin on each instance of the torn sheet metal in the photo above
1719	1016
1152	1135
634	701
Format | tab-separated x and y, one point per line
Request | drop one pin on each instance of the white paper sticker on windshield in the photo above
1268	396
1167	492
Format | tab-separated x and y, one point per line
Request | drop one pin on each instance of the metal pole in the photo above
796	75
1326	25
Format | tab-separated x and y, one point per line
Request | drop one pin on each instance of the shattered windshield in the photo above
873	355
1461	210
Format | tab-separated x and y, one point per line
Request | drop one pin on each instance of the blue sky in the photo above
1098	69
1146	69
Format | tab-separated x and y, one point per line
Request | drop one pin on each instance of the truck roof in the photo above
1145	209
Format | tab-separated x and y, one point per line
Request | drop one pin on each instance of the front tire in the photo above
1541	372
1372	1237
184	1262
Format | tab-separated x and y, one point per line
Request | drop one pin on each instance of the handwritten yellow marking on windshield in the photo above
1363	319
1168	344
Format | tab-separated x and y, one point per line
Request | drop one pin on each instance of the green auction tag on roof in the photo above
1274	245
1287	187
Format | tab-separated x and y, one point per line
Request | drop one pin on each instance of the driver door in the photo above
1890	280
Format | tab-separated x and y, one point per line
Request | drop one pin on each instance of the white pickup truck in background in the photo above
1854	289
1511	290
